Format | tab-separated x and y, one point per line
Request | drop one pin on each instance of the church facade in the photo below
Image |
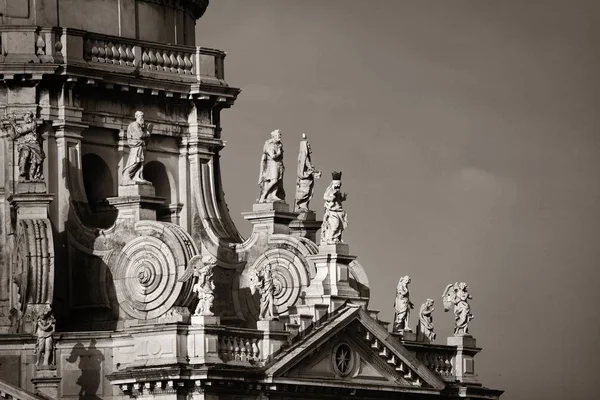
122	274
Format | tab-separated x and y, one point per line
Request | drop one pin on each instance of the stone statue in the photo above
456	294
29	147
43	329
426	320
402	305
271	170
263	280
335	219
138	133
307	173
204	286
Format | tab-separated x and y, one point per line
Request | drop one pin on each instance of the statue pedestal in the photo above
274	337
203	340
201	320
46	381
331	285
463	361
306	225
31	200
137	202
270	218
408	336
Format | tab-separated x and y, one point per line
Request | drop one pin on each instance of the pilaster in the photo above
464	359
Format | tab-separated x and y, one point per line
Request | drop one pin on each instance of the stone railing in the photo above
11	392
438	358
240	345
32	45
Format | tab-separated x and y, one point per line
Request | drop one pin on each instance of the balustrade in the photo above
239	348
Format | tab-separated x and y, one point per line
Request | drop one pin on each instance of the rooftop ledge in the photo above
33	52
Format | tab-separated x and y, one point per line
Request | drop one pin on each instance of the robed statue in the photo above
271	170
138	134
306	175
29	146
402	305
456	294
202	270
44	327
335	219
263	281
425	326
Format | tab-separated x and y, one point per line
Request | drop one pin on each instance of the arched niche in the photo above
164	185
99	184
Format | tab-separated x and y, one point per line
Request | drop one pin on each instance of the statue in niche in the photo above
426	320
402	305
138	134
335	219
263	280
43	329
204	286
307	173
456	294
29	147
271	170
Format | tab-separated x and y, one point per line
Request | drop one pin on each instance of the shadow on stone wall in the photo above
90	365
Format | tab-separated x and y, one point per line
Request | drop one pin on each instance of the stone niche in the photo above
163	21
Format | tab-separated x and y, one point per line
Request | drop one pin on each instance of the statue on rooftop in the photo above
29	146
402	305
44	327
263	280
204	286
335	219
425	326
456	294
138	134
271	170
307	173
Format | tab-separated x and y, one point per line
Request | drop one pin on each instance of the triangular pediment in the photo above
354	350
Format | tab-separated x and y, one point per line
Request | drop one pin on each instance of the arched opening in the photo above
98	184
155	172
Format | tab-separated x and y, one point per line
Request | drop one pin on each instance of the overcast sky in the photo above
468	133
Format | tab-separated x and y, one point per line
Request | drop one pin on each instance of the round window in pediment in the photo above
342	359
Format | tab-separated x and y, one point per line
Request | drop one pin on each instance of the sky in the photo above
468	136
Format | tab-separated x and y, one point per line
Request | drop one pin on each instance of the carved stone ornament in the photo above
138	134
44	327
402	305
270	178
425	326
263	281
456	294
202	269
29	146
306	174
335	219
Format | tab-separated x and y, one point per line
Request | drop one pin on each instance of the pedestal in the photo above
463	361
30	200
201	320
406	336
274	337
306	225
203	341
137	202
270	218
46	381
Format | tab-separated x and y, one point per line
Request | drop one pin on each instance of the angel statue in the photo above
204	286
425	326
456	294
43	330
402	305
263	280
305	182
270	178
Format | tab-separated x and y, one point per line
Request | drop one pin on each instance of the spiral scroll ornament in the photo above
147	277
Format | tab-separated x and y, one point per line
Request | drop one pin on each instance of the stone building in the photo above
122	274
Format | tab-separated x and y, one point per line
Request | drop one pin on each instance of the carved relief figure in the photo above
271	170
426	320
29	147
335	219
138	134
204	286
263	280
43	330
402	305
307	173
456	294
